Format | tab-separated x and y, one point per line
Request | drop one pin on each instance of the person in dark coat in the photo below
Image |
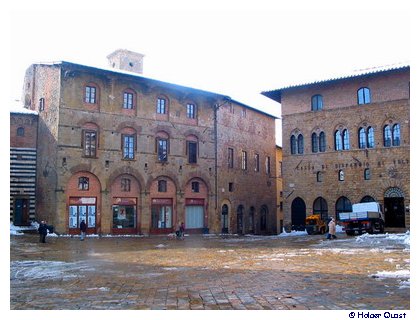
83	228
42	230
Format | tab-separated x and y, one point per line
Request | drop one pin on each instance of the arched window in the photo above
363	96
346	139
340	175
338	141
319	176
387	136
316	102
367	199
314	143
321	208
300	144
225	219
293	145
343	204
370	138
366	174
322	143
362	138
396	135
20	131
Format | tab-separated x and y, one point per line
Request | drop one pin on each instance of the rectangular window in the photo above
128	146
195	186
90	94
83	183
191	112
161	106
243	113
244	165
90	143
128	101
162	186
267	165
280	169
230	158
192	151
256	162
125	185
162	149
230	186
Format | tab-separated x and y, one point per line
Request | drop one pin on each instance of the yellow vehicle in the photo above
314	224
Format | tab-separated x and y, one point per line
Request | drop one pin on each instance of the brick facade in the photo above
68	122
312	178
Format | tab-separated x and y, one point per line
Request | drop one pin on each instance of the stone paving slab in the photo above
133	274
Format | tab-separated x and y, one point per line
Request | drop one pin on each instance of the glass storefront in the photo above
82	209
124	216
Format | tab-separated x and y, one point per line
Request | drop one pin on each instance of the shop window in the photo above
77	213
123	217
161	217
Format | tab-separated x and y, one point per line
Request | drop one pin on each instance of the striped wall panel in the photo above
23	178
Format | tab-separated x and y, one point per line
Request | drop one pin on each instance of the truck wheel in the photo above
350	232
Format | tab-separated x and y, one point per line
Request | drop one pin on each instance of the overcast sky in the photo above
237	48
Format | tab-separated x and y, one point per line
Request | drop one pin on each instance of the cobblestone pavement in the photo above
205	272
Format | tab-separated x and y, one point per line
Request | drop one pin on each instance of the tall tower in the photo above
126	60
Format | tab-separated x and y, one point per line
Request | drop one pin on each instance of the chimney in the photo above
126	60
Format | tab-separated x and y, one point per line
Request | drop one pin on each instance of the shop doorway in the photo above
225	219
298	214
21	212
394	208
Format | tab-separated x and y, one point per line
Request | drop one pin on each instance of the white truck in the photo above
365	217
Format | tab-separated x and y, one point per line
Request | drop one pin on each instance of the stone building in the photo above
23	159
134	155
347	140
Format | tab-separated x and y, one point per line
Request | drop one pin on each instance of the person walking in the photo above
331	229
83	228
42	230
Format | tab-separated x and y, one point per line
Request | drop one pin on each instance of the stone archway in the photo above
298	214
